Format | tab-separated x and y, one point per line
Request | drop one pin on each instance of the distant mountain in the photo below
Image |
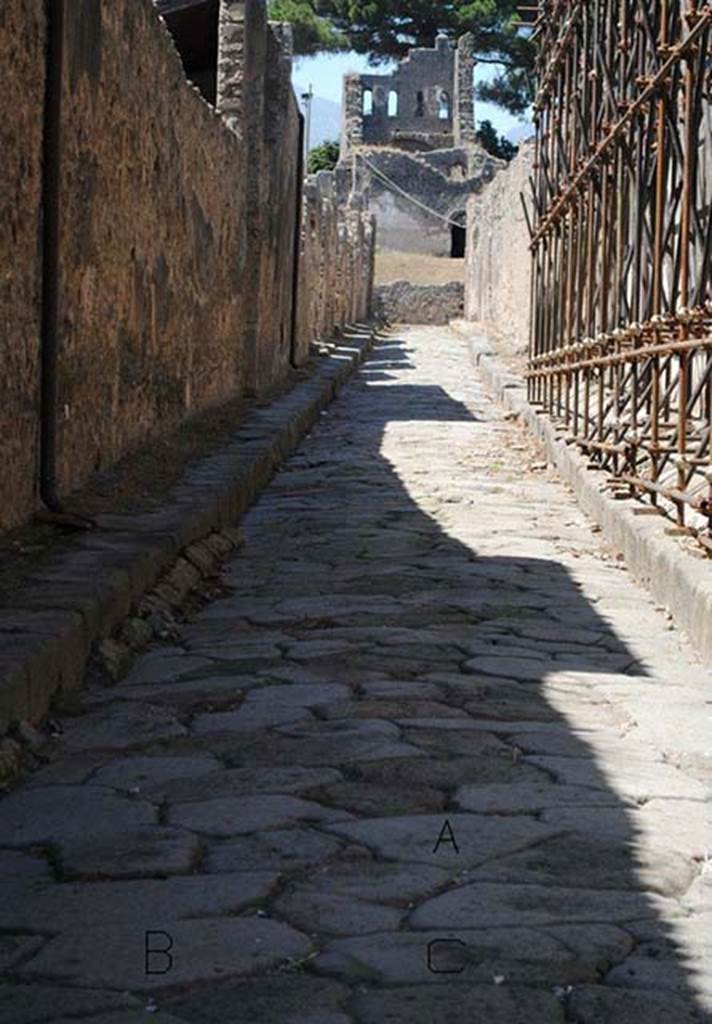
519	133
325	119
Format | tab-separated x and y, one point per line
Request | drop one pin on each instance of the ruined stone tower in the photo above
426	104
409	140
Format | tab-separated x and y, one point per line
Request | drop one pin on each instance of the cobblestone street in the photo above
434	758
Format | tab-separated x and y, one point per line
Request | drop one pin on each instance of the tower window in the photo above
393	103
420	104
444	106
367	102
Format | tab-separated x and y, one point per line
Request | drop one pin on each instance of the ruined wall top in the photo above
418	107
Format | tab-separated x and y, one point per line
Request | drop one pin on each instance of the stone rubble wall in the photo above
401	302
498	260
177	234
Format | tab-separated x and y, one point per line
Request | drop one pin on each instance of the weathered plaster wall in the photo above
177	235
498	260
22	42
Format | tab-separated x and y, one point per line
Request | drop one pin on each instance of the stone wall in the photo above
401	302
22	42
498	260
465	62
152	236
178	233
277	217
337	260
441	180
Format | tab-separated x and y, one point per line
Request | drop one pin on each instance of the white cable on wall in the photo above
407	195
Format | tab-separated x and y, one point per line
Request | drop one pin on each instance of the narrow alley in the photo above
434	757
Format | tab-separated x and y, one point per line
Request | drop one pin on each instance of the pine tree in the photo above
385	30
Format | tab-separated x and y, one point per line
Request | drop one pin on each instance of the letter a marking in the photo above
447	836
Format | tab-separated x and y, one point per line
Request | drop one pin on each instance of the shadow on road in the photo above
508	846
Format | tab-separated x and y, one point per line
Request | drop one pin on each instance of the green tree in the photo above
496	145
384	30
324	157
312	32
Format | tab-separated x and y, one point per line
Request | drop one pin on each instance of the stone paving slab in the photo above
205	949
117	727
51	908
134	853
243	781
286	1000
138	1016
365	799
560	861
234	816
527	797
15	948
419	1004
433	757
37	1003
55	814
508	905
338	900
414	838
251	717
133	773
597	1005
16	866
214	691
640	782
281	850
571	954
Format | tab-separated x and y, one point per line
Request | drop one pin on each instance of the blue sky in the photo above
326	72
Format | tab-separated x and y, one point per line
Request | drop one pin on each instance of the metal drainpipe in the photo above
51	145
297	242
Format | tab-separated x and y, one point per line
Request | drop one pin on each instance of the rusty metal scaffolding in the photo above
621	346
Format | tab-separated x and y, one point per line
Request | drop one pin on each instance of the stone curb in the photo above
678	580
86	591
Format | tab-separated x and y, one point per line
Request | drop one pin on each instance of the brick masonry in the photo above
177	233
